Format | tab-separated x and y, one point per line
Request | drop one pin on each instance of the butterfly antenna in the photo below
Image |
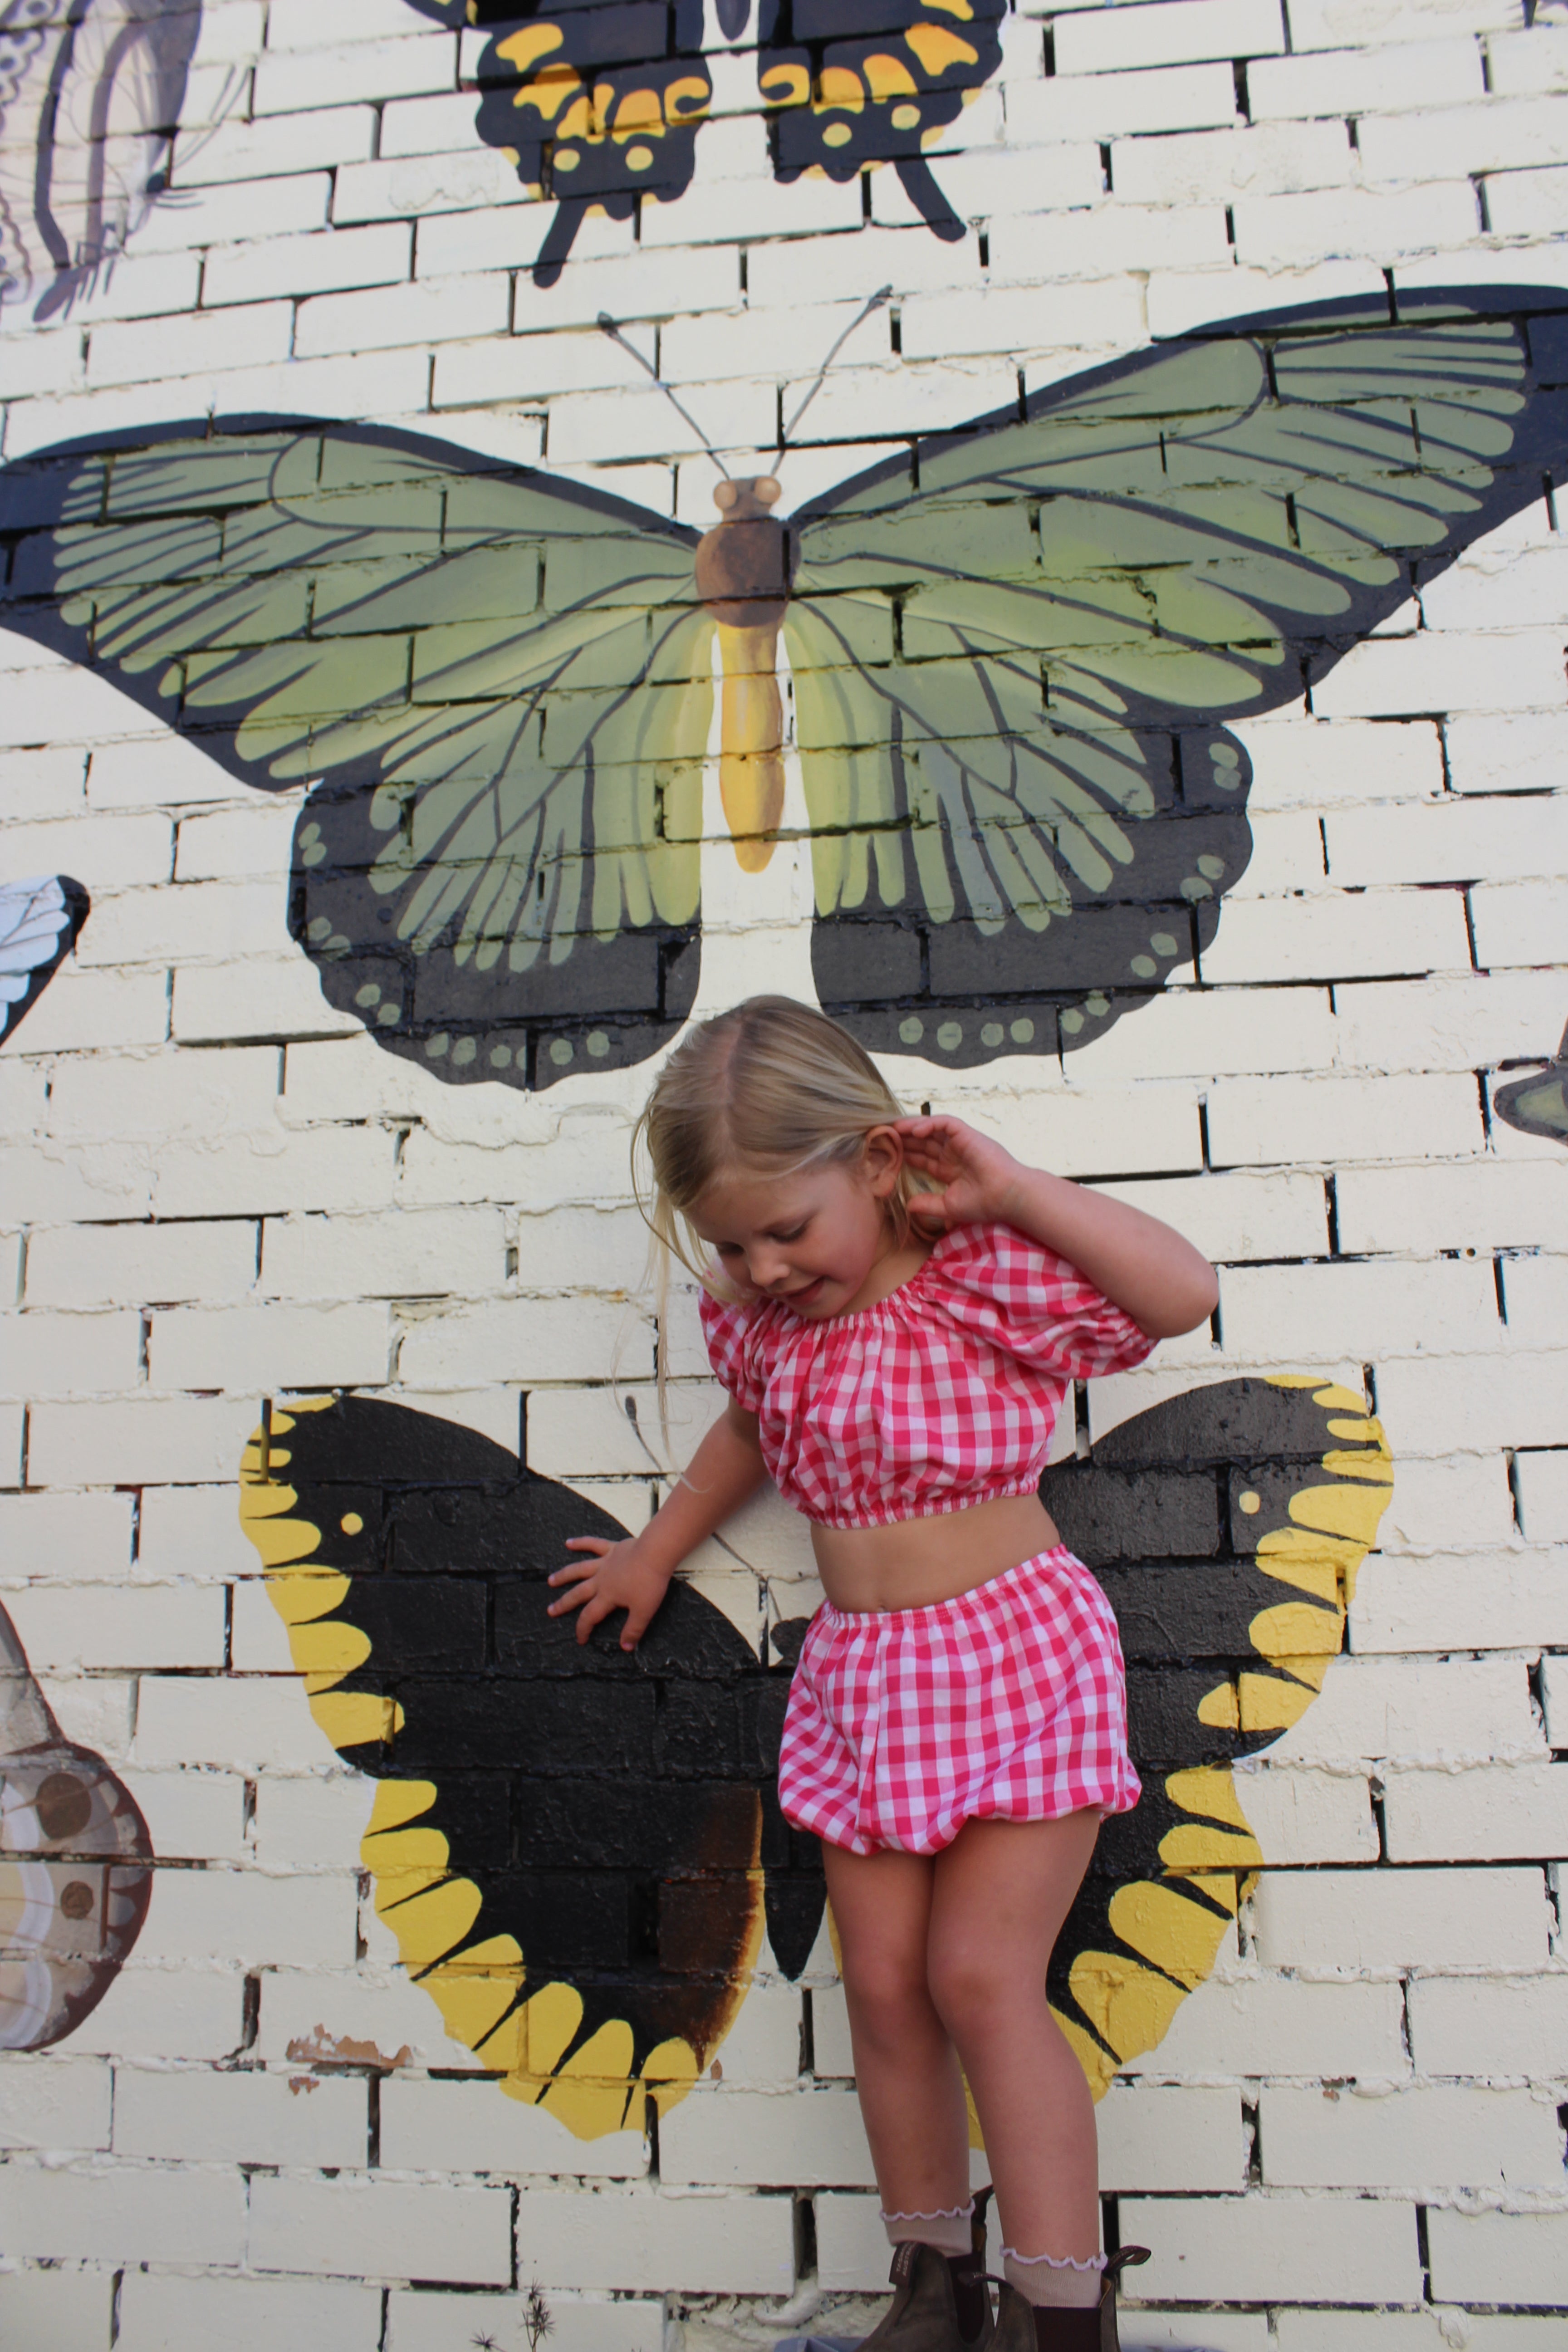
616	336
875	302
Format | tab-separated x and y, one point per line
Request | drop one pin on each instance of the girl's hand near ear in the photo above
968	1179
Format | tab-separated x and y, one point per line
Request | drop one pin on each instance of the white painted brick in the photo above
76	1535
1441	1307
1554	1699
1407	2331
153	1440
1335	1119
414	1252
134	1265
54	2102
299	25
1232	1218
1517	2258
1152	2137
1521	922
229	1720
1178	302
437	311
1543	1483
1256	2250
762	2045
427	126
165	1095
223	214
191	1816
1536	1292
812	2139
1354	1919
1364	82
175	922
1506	751
51	2310
44	363
322	263
524	1340
244	2118
193	1531
1320	763
309	1820
155	771
260	1348
1326	24
249	1917
286	84
748	208
382	2230
272	1173
1212	167
152	1625
583	1432
852	2251
1116	105
1271	229
1501	135
1441	670
586	426
251	836
1429	2136
1424	1708
447	2323
473	2127
1105	237
1007	318
308	2018
138	287
1305	1817
11	1420
1212	1033
60	1355
160	2310
107	853
1489	2025
1455	1022
158	2012
144	349
94	1711
1326	937
1450	841
1485	1204
1154	2331
640	2239
528	367
1281	2025
1511	1600
1514	1404
1507	1813
49	784
308	142
897	396
160	2214
1093	40
97	1008
988	184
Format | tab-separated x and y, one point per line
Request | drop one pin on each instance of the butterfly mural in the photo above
91	96
40	920
600	106
1538	1105
579	1851
1012	653
74	1880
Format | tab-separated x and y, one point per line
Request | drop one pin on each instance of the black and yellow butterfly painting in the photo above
580	1852
599	106
1005	658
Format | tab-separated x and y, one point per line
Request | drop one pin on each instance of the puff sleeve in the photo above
1025	1299
727	1331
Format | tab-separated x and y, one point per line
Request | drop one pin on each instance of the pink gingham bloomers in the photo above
1007	1702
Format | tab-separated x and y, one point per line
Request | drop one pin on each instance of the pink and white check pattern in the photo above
942	1395
1006	1704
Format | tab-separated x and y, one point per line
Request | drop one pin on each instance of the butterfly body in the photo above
742	568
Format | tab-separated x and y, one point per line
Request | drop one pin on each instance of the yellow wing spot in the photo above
1267	1705
938	49
786	85
548	92
1296	1629
591	2091
1360	1465
1220	1708
325	1654
670	2073
352	1524
1313	1563
299	1594
522	49
553	2017
890	78
397	1802
1249	1503
639	112
475	1993
840	88
356	1718
686	98
959	8
1349	1511
428	1922
904	118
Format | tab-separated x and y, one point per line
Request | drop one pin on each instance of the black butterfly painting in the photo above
599	106
579	1851
1012	653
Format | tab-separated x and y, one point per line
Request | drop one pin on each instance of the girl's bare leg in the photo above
998	1898
906	2069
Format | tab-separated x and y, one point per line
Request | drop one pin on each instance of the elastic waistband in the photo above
979	1597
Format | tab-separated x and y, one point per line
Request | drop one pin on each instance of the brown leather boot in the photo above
941	2301
1026	2327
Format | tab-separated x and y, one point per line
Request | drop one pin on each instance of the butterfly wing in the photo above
1227	1527
502	684
40	920
842	98
568	1842
1538	1105
1030	652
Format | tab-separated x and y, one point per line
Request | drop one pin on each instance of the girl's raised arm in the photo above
1142	1266
725	1471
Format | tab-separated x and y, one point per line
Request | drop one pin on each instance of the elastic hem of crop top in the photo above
889	1515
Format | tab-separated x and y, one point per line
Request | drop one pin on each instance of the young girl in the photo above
898	1309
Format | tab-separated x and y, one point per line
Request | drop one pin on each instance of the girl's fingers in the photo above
599	1544
574	1571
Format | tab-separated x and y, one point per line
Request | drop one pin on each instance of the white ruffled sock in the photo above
1055	2281
948	2229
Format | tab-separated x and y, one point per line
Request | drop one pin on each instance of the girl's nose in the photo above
766	1267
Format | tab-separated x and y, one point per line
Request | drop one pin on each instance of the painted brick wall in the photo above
217	1191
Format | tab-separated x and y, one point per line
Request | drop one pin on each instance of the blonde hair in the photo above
768	1089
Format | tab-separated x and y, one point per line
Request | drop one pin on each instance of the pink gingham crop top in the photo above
941	1395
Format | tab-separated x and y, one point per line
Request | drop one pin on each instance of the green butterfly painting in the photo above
1011	654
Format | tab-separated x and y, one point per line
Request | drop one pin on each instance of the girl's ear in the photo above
884	1161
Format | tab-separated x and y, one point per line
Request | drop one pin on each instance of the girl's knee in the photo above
970	1990
886	1992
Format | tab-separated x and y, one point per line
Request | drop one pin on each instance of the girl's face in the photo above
812	1239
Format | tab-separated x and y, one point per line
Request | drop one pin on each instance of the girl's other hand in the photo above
615	1578
971	1181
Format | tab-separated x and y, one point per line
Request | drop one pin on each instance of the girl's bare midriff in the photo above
917	1561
